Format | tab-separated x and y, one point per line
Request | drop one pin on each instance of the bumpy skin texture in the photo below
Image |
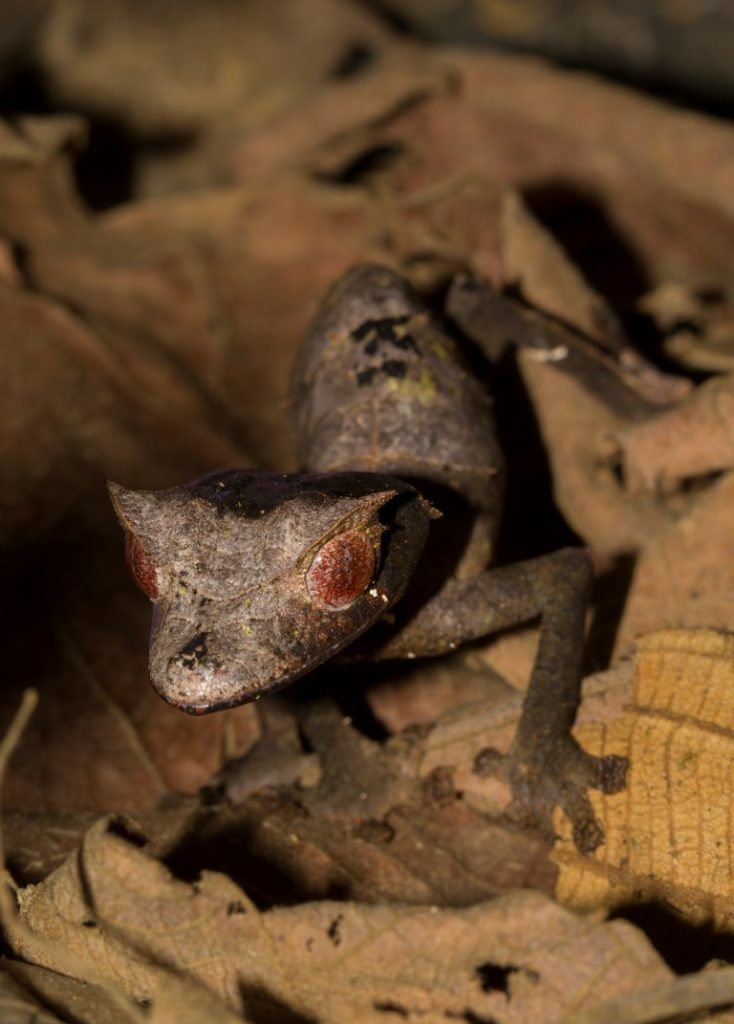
258	577
234	616
382	386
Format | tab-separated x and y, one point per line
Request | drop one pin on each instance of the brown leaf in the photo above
75	412
101	738
537	265
576	426
401	696
698	327
684	576
333	119
416	853
18	1006
72	998
598	162
36	844
158	75
693	439
512	959
407	820
180	1002
413	819
38	188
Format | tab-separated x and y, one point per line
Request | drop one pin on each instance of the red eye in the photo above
342	569
141	566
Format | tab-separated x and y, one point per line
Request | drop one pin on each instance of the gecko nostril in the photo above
193	666
193	653
193	680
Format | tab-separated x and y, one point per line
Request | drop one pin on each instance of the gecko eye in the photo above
141	566
342	569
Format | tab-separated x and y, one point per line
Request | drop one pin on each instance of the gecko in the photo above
381	547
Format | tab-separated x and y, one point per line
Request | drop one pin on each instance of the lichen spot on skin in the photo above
141	566
437	348
342	569
422	389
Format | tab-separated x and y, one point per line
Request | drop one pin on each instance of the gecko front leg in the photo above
545	766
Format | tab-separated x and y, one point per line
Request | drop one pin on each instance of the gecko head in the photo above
257	577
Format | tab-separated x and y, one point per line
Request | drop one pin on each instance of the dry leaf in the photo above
38	189
668	834
36	844
412	819
406	820
161	76
709	989
101	739
684	577
693	439
698	328
18	1006
597	162
576	426
685	48
180	1002
518	958
536	264
404	695
71	998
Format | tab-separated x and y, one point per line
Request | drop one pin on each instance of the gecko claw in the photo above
539	783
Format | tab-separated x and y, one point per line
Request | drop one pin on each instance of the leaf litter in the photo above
359	863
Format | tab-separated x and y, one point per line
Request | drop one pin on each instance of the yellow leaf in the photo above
669	833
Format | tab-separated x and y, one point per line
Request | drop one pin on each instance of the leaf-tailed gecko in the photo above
257	577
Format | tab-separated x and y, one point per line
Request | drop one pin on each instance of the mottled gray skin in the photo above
387	411
382	386
233	618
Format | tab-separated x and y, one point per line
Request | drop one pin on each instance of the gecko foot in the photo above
543	780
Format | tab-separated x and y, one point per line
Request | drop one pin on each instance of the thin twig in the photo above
7	746
65	960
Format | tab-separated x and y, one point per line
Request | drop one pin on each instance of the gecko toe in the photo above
540	782
611	773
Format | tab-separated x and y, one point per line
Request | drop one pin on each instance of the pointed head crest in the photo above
258	577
